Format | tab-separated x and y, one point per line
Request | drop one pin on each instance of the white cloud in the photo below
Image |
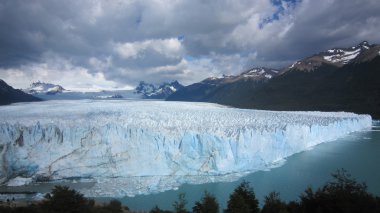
58	71
170	48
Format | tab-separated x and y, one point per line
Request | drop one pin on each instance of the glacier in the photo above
136	147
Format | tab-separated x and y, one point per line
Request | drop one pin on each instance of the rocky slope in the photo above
10	95
230	87
162	91
336	57
41	88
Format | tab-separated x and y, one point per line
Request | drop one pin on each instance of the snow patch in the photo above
173	89
19	181
42	88
342	57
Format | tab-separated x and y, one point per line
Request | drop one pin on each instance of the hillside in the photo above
354	88
10	95
219	89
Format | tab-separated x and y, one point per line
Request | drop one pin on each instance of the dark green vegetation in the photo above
243	199
216	91
207	204
232	88
65	200
10	95
343	195
352	88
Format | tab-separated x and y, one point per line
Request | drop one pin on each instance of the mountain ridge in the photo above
44	88
208	89
339	79
337	56
162	91
9	95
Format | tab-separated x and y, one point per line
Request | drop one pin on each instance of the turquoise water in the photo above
359	153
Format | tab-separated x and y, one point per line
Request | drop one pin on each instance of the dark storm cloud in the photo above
122	42
333	24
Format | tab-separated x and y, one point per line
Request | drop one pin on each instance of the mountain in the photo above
94	94
44	88
229	87
336	57
150	91
339	79
10	95
48	91
354	86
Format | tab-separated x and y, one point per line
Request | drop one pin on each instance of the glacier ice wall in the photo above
106	140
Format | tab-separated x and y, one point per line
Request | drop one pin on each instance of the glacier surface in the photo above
134	147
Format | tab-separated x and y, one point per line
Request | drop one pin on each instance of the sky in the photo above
109	44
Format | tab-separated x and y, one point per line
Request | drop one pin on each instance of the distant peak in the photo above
338	57
39	87
160	91
364	43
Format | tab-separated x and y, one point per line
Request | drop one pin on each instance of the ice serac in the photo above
161	143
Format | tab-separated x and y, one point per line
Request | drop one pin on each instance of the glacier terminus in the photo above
136	147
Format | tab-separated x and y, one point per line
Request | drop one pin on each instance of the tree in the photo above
242	200
343	194
114	206
180	205
208	204
158	210
65	200
237	204
273	204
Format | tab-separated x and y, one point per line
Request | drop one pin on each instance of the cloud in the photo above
58	71
160	40
170	48
309	27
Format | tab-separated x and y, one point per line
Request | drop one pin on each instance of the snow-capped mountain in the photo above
44	88
229	87
338	79
151	91
257	73
337	57
48	91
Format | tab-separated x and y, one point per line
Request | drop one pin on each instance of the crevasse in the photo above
104	140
